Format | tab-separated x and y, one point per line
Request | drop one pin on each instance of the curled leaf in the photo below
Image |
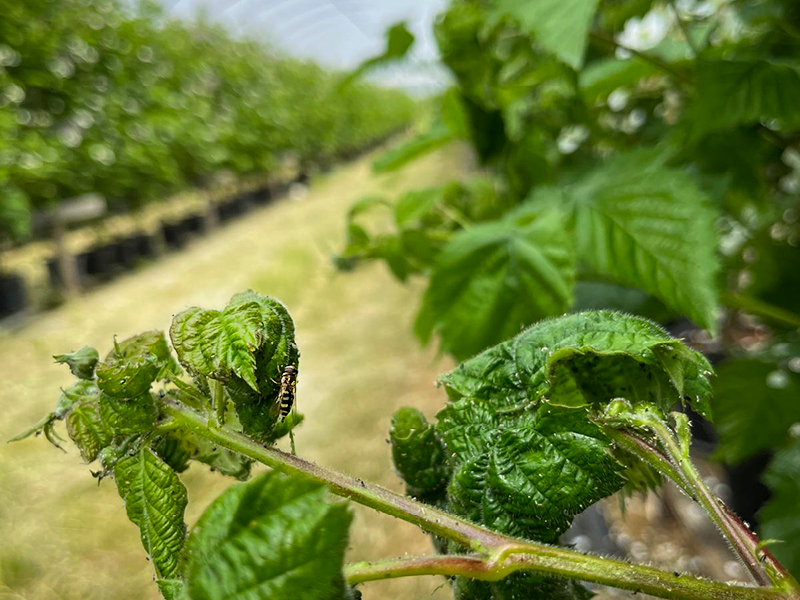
417	452
587	358
81	363
134	364
131	416
246	346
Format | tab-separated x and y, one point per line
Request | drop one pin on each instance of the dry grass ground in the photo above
62	537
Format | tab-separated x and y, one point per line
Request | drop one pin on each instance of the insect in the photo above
286	395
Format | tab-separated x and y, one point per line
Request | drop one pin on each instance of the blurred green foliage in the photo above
101	96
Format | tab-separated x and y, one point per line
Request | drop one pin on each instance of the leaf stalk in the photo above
497	555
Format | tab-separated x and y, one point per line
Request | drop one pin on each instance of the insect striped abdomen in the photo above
286	395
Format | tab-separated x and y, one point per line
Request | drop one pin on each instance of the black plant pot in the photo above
226	211
233	208
261	195
174	234
125	253
146	245
101	261
193	224
13	295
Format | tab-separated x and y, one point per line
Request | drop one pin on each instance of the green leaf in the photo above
236	341
174	451
129	416
275	537
417	452
246	346
780	518
154	500
525	474
81	362
412	206
631	219
492	278
755	403
39	427
398	156
87	430
398	41
601	77
560	26
15	213
81	391
743	92
223	460
170	588
134	364
774	276
586	358
220	344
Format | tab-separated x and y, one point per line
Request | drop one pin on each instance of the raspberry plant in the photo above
635	155
535	429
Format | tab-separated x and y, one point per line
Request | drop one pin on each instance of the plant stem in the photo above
218	400
501	554
656	62
574	565
649	454
742	540
762	309
684	29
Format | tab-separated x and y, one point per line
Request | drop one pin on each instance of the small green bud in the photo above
417	451
81	362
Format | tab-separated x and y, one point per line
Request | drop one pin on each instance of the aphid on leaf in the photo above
286	396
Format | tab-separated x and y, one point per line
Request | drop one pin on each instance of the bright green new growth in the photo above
81	363
245	346
113	414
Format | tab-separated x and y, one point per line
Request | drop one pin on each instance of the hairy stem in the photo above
561	563
741	539
218	400
648	453
655	458
500	554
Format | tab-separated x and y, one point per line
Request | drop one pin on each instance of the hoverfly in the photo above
286	395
